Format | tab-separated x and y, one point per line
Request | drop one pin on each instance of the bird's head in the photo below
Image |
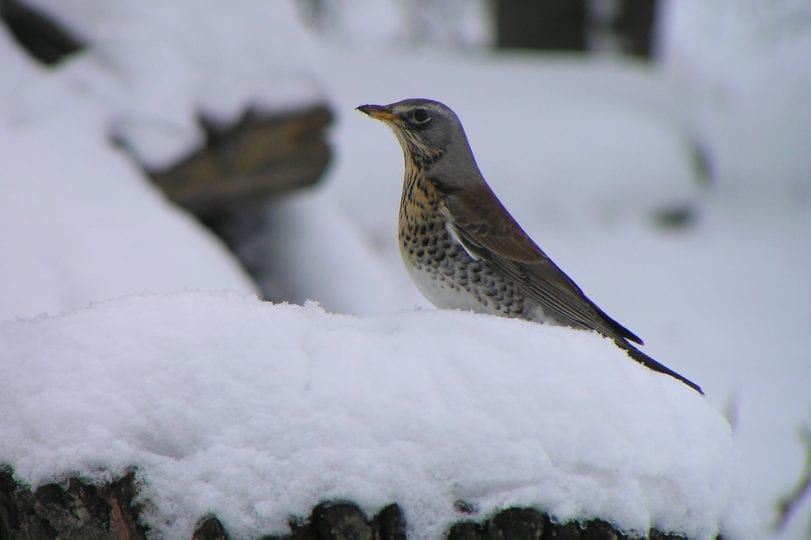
426	129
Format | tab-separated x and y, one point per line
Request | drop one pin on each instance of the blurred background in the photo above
659	151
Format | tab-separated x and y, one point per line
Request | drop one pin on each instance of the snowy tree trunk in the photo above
74	509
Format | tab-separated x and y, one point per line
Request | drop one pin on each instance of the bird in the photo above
464	250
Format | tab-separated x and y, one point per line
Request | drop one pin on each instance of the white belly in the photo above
438	289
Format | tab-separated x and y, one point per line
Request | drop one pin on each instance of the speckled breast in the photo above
440	267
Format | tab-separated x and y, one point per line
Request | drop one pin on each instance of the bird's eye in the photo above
420	116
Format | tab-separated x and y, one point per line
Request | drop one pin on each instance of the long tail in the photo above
649	362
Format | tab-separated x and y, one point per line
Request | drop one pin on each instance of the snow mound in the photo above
81	223
86	226
256	412
157	68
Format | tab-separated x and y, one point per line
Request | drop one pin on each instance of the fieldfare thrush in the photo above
464	250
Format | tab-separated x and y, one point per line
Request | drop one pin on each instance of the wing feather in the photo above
485	228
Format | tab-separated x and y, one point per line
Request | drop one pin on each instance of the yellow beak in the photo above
378	112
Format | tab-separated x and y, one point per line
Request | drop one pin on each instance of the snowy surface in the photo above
79	222
582	152
256	412
742	76
448	23
157	67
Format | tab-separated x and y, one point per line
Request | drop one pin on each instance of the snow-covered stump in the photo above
74	509
253	412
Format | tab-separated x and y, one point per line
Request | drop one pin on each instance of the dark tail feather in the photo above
649	362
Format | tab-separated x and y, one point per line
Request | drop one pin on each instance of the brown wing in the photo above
487	230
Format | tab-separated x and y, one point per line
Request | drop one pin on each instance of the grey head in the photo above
432	138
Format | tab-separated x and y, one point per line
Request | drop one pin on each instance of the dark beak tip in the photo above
366	109
378	112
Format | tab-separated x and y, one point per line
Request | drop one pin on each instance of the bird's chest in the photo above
438	264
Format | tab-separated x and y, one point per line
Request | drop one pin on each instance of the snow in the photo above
369	283
81	223
725	59
256	411
144	80
421	407
156	74
450	23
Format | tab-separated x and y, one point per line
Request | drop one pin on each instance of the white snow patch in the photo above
158	67
256	412
386	23
740	70
80	223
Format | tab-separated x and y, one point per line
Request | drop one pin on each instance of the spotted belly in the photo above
449	277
